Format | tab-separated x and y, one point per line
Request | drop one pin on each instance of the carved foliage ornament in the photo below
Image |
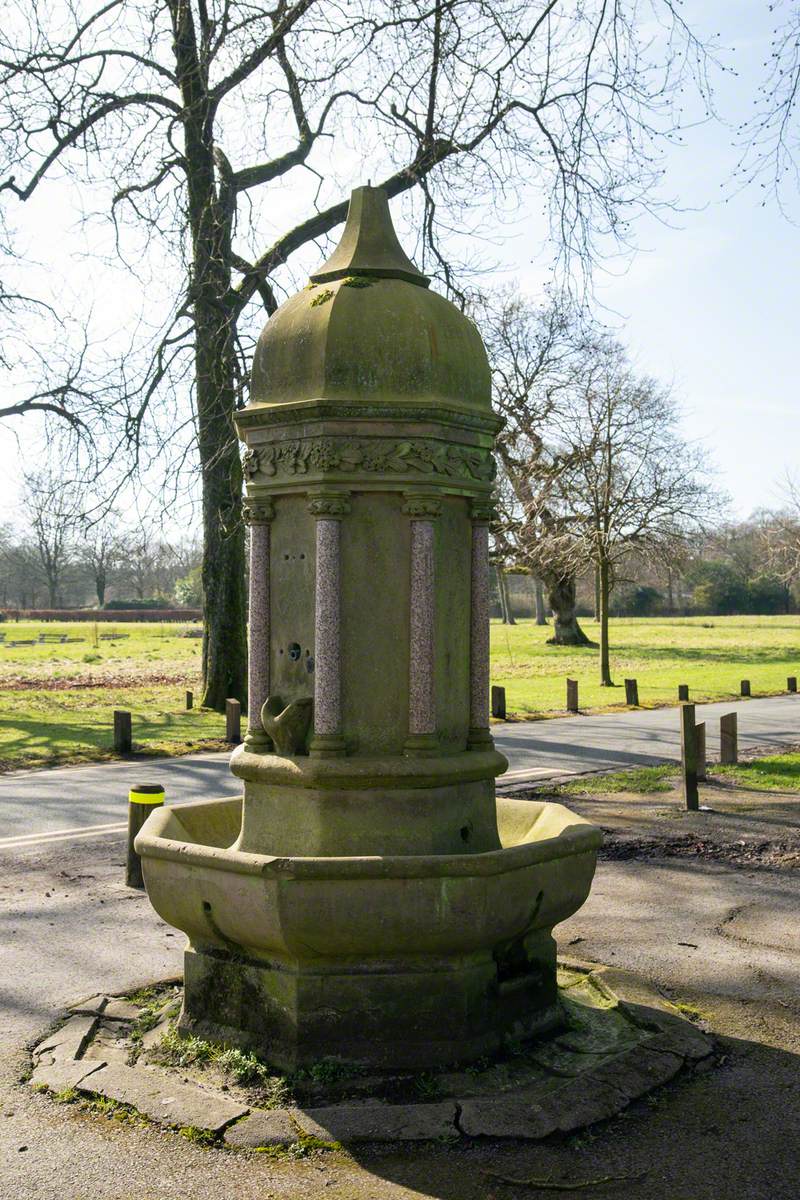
383	455
258	512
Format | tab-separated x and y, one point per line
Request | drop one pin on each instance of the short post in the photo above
142	799
498	702
689	757
700	750
728	739
632	692
683	691
123	741
189	701
745	687
233	722
791	683
572	695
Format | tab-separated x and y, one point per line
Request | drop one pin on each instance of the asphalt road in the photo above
66	803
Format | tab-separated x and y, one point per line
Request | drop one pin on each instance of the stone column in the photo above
479	736
328	741
258	514
422	737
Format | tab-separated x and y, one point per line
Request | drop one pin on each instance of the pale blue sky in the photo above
710	302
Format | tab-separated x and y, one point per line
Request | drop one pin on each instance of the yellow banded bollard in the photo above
142	799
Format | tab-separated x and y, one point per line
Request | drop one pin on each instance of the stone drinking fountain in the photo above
369	898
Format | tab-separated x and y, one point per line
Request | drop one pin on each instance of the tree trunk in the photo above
605	589
211	211
541	616
561	596
100	588
597	607
670	596
505	601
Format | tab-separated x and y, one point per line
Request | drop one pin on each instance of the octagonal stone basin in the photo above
385	962
386	906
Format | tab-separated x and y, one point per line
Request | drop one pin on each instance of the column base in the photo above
327	746
421	745
480	739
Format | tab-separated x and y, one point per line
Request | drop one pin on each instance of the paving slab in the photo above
505	1117
637	1071
91	1006
272	1127
378	1122
58	1076
162	1099
69	1041
121	1010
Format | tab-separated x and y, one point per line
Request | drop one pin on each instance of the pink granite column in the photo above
258	514
422	619
479	736
328	508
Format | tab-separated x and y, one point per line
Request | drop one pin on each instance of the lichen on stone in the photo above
322	298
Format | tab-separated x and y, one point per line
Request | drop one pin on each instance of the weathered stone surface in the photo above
91	1006
378	1122
273	1127
120	1010
637	1071
679	1036
69	1041
58	1076
581	1102
109	1043
164	1100
506	1116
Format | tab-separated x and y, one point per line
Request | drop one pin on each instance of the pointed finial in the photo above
369	244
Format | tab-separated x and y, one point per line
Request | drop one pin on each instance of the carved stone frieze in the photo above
418	456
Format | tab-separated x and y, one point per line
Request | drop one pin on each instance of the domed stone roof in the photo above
368	330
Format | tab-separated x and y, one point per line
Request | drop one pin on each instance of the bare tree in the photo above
51	507
147	99
100	550
625	478
536	352
771	136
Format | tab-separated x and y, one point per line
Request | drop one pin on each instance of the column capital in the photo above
482	511
258	512
329	504
422	504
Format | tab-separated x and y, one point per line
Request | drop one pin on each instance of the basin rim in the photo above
579	837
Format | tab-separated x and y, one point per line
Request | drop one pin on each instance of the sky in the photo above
709	301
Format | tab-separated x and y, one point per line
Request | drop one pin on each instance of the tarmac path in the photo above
66	803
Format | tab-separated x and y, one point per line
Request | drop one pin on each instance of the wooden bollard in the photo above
572	695
728	739
689	757
123	739
683	691
745	687
189	701
632	692
791	683
700	750
233	722
498	702
142	799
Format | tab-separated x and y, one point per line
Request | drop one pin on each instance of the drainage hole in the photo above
206	906
465	832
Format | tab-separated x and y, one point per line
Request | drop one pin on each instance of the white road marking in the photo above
60	835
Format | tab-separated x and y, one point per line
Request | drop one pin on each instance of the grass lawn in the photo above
773	773
57	700
711	654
